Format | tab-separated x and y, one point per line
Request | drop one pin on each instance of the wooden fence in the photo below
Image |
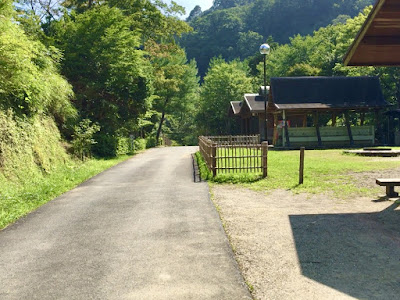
234	154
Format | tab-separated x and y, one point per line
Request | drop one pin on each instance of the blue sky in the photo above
189	5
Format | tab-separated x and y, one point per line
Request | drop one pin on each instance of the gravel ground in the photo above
300	246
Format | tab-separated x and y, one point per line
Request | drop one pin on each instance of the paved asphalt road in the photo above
141	230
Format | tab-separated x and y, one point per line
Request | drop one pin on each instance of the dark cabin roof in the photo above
255	102
378	41
235	107
326	92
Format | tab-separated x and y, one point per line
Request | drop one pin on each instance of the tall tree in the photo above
224	82
110	75
174	79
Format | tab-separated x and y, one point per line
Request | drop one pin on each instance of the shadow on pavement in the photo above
357	254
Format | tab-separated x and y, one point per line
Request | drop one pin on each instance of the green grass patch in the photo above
17	198
324	171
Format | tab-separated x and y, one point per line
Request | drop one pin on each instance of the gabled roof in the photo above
235	107
255	102
326	92
378	41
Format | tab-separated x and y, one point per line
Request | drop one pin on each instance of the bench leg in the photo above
390	191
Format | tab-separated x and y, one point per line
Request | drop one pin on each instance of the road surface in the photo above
140	230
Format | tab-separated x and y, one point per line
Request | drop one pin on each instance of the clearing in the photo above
315	246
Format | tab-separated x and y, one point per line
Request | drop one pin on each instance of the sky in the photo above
190	4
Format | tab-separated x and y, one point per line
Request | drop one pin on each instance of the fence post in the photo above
301	170
214	159
264	150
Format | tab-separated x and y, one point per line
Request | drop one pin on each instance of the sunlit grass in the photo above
19	198
324	171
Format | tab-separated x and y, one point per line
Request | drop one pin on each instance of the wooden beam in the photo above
381	40
362	32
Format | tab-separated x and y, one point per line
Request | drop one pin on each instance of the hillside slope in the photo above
236	28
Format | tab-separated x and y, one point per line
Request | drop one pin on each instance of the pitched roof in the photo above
255	102
378	41
236	106
326	92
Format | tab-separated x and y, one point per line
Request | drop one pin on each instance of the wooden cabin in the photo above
304	111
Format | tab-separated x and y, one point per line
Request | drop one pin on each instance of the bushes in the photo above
83	138
111	145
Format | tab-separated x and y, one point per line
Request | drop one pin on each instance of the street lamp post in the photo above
264	50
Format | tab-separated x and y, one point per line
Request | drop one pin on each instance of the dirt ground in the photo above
300	246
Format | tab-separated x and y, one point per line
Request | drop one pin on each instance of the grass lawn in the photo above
324	170
17	199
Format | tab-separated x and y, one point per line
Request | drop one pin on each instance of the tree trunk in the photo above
161	121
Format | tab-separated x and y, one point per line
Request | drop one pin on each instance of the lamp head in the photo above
265	49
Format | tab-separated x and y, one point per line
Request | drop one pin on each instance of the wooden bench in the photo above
390	183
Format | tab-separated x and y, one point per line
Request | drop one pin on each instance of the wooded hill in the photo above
236	28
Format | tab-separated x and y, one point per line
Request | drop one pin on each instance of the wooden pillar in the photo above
301	168
362	118
347	120
261	127
285	137
275	129
305	120
264	147
377	135
334	119
214	159
316	124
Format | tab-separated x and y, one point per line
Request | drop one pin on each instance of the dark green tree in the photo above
104	63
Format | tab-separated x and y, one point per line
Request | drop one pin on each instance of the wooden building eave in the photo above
378	41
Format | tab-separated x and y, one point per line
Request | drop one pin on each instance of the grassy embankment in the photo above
324	171
35	167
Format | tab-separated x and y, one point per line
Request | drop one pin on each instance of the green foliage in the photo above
205	173
235	29
30	82
5	8
176	85
303	70
139	144
17	198
154	20
82	139
29	147
224	82
102	60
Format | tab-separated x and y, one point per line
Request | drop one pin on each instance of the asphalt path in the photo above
140	230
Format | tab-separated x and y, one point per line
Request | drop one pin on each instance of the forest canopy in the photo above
236	28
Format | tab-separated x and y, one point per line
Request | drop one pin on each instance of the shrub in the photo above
83	138
139	144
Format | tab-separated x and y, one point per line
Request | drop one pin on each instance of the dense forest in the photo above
236	28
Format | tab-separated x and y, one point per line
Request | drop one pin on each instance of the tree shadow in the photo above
357	254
